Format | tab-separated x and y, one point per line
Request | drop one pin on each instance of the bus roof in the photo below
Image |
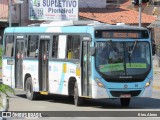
76	27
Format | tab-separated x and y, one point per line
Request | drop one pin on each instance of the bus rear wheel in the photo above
77	100
30	94
125	102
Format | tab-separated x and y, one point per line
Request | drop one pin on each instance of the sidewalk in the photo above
156	72
156	78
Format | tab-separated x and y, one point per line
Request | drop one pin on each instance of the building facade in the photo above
4	8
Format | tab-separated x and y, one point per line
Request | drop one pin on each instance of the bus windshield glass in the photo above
123	58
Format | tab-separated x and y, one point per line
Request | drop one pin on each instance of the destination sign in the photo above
121	34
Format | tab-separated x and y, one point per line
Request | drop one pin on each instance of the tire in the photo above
30	94
71	98
77	100
125	102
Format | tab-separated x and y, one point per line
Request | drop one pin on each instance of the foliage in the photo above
5	89
0	56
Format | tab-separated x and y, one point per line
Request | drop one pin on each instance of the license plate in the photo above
125	95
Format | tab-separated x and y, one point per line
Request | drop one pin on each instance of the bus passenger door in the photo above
8	66
86	69
19	54
43	64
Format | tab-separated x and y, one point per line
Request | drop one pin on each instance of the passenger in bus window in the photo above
113	56
136	52
104	55
69	48
77	52
70	54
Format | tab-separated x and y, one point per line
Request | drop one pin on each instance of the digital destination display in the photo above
122	34
119	35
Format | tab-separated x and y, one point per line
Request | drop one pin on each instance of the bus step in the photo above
43	93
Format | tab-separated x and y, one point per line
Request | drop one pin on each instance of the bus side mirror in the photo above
93	51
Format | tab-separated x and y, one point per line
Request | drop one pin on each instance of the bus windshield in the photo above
123	58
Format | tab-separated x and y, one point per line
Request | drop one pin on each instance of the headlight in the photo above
148	83
99	83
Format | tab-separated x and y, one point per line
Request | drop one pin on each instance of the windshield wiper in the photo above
135	44
115	48
131	52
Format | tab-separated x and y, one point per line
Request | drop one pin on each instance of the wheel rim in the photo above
29	89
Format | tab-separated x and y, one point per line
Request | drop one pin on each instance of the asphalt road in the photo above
65	106
62	103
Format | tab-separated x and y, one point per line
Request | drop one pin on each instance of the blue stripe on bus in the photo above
8	67
82	29
79	29
61	83
26	29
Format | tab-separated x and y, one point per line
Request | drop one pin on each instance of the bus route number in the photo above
45	37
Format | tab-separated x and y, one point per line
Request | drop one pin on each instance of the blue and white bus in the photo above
80	59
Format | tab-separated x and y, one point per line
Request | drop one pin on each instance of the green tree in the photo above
4	90
0	56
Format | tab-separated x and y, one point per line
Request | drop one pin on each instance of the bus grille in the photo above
132	93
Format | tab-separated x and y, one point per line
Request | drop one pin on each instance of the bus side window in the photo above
73	47
69	47
76	47
33	46
25	48
9	46
55	46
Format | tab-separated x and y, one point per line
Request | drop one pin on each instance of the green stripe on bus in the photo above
136	65
120	66
111	67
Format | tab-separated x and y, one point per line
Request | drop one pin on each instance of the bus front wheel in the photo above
30	94
77	100
125	102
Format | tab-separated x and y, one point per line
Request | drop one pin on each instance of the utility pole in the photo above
140	13
139	4
18	3
10	13
20	21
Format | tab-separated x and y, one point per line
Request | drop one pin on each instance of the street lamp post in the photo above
20	21
10	11
10	14
19	2
140	13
